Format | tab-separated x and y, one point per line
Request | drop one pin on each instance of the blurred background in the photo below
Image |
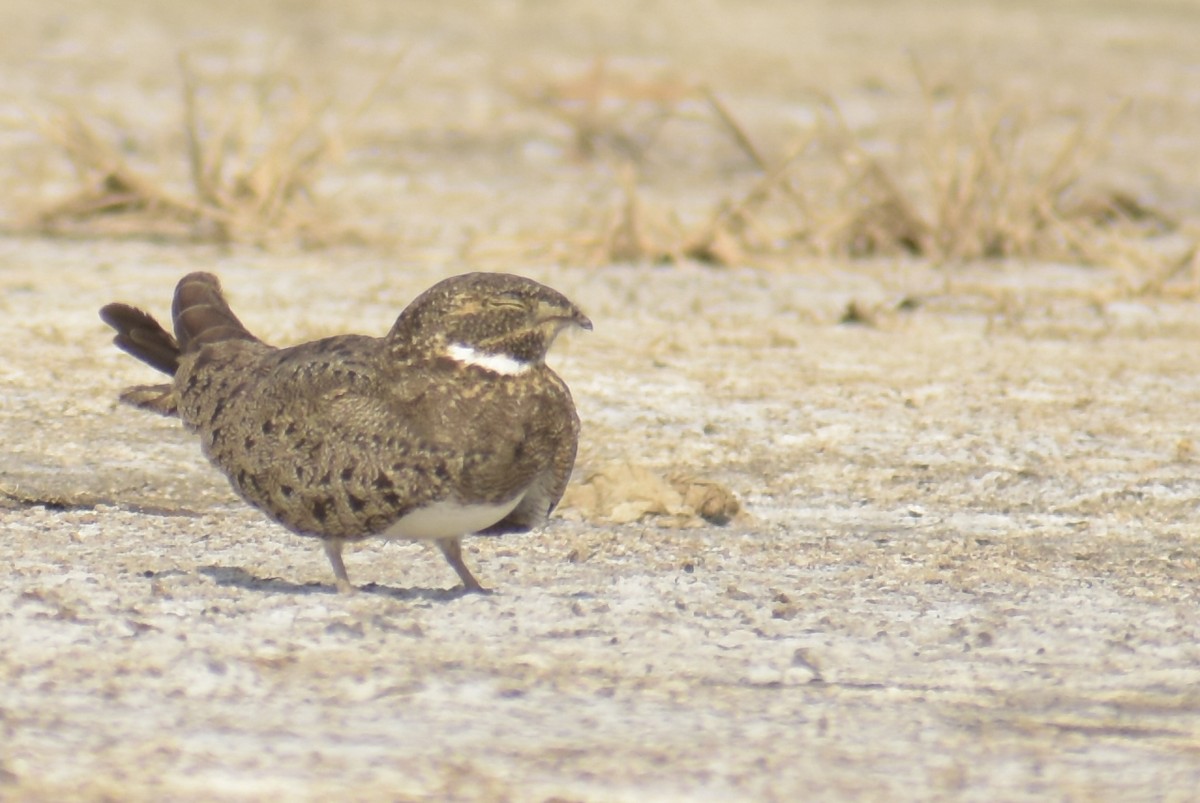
586	133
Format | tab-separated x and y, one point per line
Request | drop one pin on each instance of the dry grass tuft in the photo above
635	232
609	111
109	187
978	187
979	180
251	171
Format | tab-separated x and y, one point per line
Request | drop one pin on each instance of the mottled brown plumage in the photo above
451	423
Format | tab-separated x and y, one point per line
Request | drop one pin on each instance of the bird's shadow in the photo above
240	578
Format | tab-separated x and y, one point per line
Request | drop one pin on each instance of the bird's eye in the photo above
503	302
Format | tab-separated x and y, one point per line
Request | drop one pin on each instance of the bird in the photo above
449	424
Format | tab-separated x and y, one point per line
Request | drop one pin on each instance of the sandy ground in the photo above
967	566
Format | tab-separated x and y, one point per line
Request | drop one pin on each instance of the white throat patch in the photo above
496	363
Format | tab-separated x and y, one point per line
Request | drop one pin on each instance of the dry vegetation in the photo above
981	178
251	168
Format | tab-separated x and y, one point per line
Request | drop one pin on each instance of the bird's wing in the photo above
558	436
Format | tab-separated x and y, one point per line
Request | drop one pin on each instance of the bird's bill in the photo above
556	319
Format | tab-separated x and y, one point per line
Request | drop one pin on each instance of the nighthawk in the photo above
450	424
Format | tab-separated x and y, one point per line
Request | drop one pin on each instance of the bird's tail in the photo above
142	336
201	314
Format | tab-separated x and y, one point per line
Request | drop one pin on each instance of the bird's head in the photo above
499	321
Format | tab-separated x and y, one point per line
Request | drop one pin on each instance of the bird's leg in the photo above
452	549
333	550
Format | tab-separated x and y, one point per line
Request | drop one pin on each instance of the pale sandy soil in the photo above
967	567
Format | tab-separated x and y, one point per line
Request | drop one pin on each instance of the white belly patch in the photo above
448	519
